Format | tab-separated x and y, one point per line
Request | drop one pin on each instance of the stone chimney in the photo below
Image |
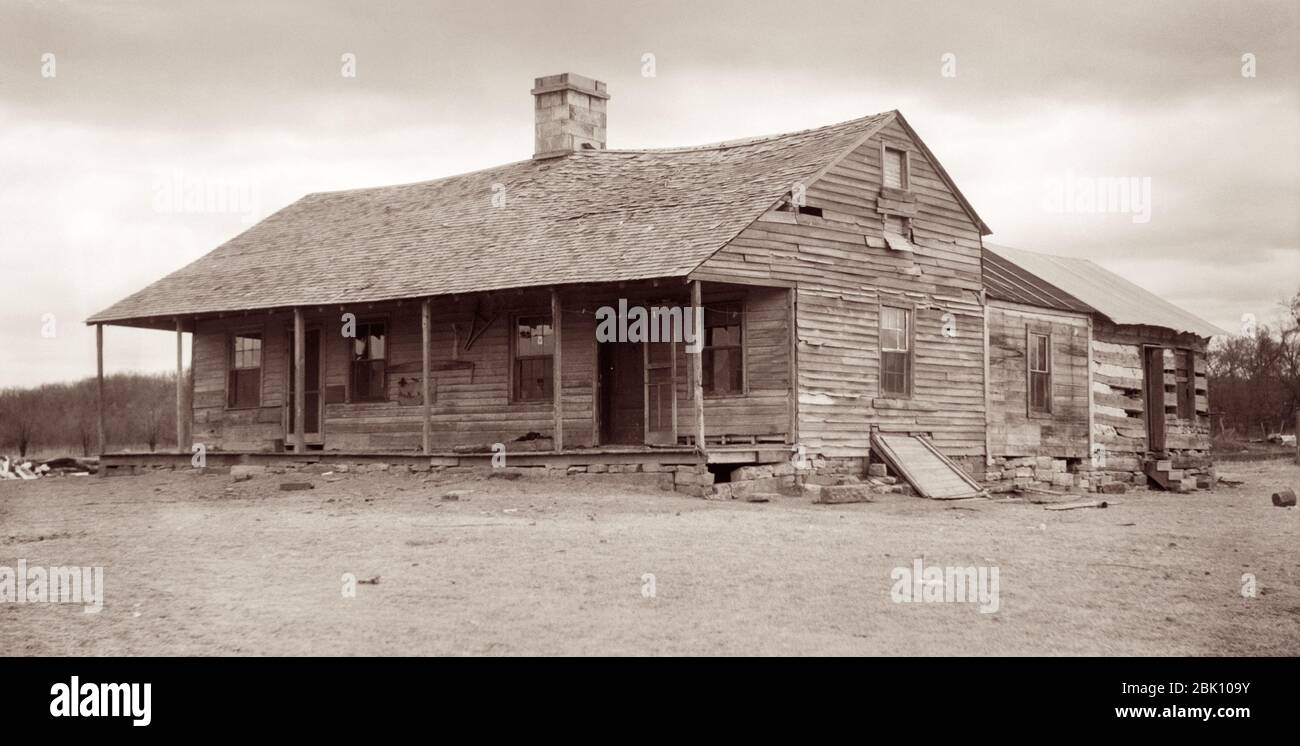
570	114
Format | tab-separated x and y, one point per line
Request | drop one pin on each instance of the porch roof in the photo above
591	216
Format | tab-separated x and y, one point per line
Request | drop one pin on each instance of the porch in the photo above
457	378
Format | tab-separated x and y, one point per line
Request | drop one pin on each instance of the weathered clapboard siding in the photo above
763	411
1013	431
1119	407
470	388
843	272
214	425
472	404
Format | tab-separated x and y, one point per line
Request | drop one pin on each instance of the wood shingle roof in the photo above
591	216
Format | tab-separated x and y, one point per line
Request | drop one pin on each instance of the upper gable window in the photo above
895	167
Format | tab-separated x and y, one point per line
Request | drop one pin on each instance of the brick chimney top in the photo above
570	114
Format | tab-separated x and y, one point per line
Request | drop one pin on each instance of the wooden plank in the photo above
697	372
181	445
557	375
792	361
924	467
99	377
426	332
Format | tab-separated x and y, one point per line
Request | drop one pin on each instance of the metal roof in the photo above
1079	285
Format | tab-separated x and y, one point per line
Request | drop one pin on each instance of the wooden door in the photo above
660	393
1153	383
622	397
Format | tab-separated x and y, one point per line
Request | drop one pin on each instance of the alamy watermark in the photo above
651	324
178	192
54	585
1125	195
934	584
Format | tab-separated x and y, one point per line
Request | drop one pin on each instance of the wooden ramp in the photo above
931	473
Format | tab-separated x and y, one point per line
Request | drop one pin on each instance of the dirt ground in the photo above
198	564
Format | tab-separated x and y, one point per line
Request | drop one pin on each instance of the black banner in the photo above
331	696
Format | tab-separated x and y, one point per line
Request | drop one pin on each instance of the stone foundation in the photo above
1118	476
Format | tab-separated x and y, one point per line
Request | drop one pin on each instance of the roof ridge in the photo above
422	182
743	141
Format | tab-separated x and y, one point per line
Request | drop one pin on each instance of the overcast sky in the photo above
252	94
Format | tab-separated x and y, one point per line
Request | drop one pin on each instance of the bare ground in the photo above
196	564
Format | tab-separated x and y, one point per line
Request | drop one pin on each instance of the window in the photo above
1185	383
895	351
898	232
1040	373
369	378
895	168
244	388
724	352
809	210
533	349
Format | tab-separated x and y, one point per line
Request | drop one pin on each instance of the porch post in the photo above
697	372
99	368
426	321
557	382
792	321
181	445
299	383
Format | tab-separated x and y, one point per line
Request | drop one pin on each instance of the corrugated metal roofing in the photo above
591	216
1065	282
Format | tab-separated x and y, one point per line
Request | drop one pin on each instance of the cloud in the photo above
250	94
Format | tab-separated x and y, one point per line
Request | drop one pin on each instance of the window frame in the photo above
1030	334
910	333
388	345
739	302
513	357
905	175
231	336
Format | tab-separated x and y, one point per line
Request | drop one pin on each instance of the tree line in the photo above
1254	378
62	418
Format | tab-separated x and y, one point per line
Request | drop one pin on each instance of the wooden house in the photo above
1093	381
839	269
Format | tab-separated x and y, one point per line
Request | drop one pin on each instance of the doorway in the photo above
1153	384
311	388
622	410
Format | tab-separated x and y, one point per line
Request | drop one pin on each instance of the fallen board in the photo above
929	472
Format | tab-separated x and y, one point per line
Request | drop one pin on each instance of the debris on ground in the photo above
20	468
291	486
1077	505
1284	498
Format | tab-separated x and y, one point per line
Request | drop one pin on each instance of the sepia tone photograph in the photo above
650	329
